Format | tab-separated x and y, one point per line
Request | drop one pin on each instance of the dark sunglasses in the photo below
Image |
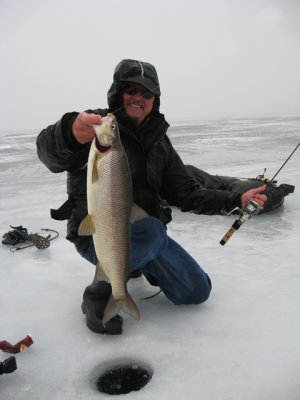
133	90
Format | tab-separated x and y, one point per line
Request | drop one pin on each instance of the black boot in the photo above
151	279
95	298
135	274
7	366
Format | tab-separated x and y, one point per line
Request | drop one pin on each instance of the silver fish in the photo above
109	198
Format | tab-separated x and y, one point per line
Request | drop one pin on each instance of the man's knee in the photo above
198	295
204	292
202	295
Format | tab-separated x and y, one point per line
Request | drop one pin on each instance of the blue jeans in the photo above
153	252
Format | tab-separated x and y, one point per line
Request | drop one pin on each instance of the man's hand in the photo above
254	194
82	128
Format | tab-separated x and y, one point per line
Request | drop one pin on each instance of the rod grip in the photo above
227	236
235	226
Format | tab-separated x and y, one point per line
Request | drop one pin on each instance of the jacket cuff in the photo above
235	201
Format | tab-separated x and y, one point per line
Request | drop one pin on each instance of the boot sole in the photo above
99	329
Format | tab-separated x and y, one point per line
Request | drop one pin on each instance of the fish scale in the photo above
112	241
109	198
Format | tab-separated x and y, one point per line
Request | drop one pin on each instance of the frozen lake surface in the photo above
243	343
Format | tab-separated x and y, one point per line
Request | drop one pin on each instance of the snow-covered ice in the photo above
243	343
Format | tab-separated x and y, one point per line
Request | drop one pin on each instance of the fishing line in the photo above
150	297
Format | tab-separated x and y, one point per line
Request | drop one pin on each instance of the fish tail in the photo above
114	306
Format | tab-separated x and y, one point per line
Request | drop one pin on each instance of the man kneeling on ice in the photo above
157	172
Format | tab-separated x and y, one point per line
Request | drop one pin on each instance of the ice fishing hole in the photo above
122	377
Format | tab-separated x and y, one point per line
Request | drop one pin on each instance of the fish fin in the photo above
114	306
137	213
94	171
86	227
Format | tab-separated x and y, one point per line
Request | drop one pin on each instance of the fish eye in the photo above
113	127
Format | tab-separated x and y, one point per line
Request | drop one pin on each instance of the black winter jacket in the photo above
156	169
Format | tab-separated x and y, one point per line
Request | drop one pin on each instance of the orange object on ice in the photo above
18	347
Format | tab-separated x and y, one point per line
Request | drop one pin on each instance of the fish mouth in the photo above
100	147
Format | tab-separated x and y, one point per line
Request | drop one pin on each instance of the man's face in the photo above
138	101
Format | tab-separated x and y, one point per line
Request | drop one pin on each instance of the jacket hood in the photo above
132	71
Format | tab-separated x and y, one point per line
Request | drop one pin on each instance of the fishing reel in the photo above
246	213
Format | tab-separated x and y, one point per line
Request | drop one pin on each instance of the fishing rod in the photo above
285	162
251	208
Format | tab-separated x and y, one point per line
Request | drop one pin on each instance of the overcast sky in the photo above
215	58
